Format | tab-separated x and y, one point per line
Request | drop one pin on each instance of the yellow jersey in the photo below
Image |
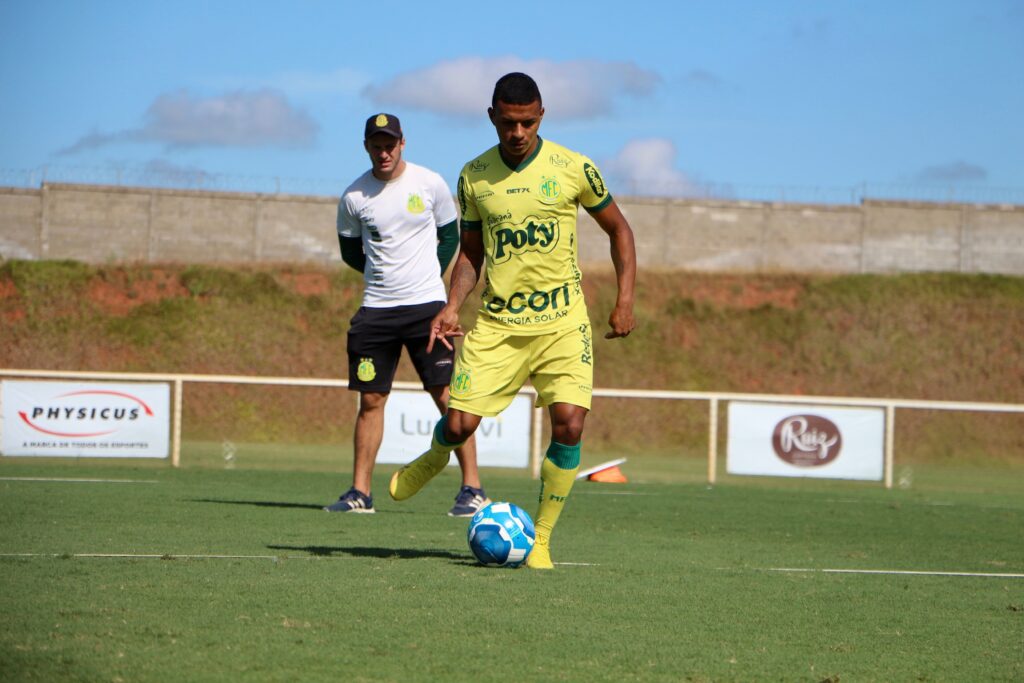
533	284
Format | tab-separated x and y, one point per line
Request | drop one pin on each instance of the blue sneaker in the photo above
352	500
468	502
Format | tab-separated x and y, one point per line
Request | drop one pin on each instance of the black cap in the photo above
383	123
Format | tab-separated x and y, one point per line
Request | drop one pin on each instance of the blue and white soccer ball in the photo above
501	535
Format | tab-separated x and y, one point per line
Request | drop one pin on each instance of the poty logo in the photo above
85	414
530	235
807	440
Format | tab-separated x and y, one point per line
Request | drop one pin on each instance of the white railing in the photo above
714	398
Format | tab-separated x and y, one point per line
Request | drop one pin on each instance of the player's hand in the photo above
444	325
621	321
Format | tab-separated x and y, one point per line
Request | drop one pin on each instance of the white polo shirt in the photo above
397	221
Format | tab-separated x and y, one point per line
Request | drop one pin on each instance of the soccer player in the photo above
519	204
398	226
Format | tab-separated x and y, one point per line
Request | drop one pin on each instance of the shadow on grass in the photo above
282	505
259	503
384	553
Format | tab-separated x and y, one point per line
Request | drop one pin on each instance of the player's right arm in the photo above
465	274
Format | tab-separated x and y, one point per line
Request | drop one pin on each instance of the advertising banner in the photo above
94	419
802	440
410	416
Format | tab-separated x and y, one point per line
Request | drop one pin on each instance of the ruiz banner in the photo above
85	419
409	419
800	440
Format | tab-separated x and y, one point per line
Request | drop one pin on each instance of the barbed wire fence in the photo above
196	179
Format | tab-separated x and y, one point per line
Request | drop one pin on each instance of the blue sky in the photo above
667	97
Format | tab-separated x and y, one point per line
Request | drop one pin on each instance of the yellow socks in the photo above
557	475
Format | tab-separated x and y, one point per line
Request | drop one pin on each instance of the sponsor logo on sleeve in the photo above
461	191
595	179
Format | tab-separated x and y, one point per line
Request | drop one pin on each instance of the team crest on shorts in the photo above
461	383
366	372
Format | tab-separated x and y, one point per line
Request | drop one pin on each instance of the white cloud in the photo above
258	118
648	167
342	81
580	89
957	171
163	171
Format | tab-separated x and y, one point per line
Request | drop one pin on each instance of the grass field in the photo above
152	574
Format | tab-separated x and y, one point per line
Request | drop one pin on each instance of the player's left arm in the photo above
623	249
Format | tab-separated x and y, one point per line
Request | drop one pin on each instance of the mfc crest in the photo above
549	189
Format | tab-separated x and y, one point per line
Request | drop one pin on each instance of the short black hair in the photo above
515	88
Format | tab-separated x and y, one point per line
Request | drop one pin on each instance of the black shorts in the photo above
375	340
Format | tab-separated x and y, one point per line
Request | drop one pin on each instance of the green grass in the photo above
674	581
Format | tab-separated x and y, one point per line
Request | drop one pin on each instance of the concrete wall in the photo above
101	224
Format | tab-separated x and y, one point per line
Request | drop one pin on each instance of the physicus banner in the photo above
95	419
802	440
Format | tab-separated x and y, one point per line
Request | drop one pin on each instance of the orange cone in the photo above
611	475
606	472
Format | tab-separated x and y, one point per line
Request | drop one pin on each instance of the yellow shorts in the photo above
492	367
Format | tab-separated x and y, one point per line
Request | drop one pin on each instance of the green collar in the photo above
527	160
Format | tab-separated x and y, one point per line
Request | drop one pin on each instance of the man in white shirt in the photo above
397	225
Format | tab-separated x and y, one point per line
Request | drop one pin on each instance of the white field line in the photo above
82	481
896	572
925	503
611	493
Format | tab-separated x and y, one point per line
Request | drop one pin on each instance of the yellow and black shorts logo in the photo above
366	372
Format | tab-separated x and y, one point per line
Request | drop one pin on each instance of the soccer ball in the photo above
501	535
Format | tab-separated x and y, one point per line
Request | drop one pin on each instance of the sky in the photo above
732	98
